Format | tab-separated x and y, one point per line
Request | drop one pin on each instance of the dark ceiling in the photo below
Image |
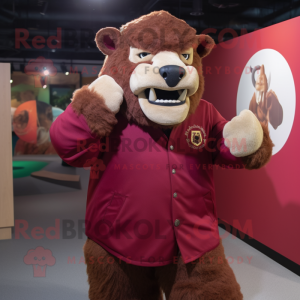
79	20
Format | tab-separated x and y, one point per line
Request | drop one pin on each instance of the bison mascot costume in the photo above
151	143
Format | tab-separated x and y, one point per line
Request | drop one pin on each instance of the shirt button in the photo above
173	171
175	195
171	147
177	223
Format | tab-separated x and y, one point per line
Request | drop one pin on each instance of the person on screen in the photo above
265	104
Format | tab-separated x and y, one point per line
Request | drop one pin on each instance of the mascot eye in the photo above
143	54
186	56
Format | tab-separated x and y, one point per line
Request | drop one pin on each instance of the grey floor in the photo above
39	203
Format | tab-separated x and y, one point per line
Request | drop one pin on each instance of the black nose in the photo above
172	74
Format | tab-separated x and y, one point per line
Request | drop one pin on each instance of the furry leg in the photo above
112	279
208	278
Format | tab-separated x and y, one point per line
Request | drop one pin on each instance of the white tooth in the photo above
173	101
183	95
152	95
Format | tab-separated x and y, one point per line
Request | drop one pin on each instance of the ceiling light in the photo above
225	3
197	8
44	8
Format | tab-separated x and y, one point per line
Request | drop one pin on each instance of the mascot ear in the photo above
206	44
108	40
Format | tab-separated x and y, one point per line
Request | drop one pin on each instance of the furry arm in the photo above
77	134
262	156
98	103
248	139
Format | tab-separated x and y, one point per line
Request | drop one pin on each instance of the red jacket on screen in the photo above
149	195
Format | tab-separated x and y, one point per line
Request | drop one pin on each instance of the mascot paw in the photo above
243	134
112	94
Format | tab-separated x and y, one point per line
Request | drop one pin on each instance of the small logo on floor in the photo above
39	258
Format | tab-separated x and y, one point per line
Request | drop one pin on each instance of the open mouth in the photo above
166	98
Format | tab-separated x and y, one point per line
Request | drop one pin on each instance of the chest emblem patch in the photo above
195	136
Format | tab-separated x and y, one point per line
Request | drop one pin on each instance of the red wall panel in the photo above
265	202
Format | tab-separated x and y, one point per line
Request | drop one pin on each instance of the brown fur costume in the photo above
99	118
209	278
263	154
110	278
158	31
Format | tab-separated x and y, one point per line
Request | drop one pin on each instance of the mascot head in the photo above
156	59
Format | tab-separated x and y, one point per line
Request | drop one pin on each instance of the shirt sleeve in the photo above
73	140
221	154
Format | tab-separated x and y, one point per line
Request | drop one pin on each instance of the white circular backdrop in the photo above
281	81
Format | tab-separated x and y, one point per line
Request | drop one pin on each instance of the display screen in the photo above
38	96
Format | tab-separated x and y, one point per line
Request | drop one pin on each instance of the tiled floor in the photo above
42	203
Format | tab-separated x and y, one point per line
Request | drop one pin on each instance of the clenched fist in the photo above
109	90
243	134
